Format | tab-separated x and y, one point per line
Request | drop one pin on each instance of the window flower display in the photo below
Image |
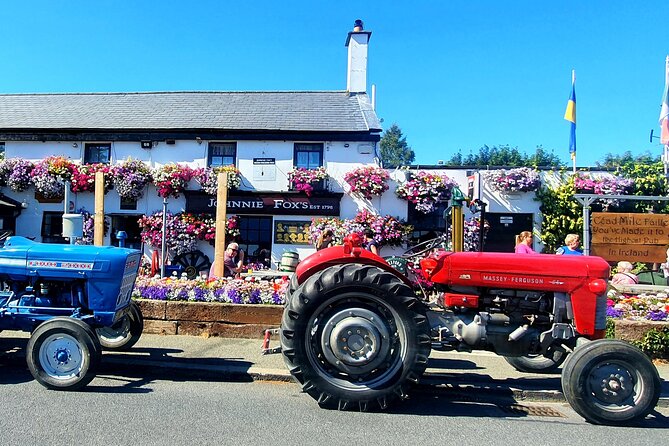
303	180
172	179
425	189
368	181
49	175
83	177
130	178
208	178
522	179
15	173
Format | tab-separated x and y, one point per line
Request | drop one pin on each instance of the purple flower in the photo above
614	313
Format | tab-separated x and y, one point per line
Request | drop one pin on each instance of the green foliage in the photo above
395	151
649	179
610	332
612	161
505	156
562	214
655	343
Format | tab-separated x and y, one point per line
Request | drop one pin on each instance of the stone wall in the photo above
209	319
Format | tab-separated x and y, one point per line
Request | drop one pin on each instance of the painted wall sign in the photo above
264	161
292	232
267	204
632	237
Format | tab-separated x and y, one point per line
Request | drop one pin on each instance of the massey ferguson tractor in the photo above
75	300
355	335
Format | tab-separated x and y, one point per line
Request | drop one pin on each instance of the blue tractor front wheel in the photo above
63	354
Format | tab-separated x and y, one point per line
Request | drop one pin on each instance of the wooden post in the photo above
221	204
99	228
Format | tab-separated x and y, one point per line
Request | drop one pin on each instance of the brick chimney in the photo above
357	41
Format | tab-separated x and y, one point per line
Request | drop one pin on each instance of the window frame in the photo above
212	145
88	159
315	147
52	237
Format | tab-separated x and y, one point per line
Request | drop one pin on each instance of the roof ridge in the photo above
119	93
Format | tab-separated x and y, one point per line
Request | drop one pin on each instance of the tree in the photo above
612	161
395	151
506	156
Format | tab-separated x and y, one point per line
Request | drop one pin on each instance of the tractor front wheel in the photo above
125	332
610	382
353	336
63	354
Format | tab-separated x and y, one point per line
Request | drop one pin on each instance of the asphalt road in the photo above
156	407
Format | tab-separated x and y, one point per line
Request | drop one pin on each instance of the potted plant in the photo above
83	177
522	179
172	179
425	190
367	181
15	173
49	175
304	180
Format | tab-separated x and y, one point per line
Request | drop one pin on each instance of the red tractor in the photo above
355	335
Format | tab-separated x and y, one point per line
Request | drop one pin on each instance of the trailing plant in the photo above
303	180
368	181
49	175
522	179
425	190
130	178
388	230
83	177
171	179
15	173
562	214
207	178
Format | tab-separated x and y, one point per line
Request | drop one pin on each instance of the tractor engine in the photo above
515	305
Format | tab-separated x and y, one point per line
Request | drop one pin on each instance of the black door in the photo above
503	230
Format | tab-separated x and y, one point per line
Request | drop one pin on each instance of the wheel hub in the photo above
355	340
62	356
612	383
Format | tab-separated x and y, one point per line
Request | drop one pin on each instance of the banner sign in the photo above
267	204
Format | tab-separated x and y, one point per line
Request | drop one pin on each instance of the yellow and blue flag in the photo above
570	115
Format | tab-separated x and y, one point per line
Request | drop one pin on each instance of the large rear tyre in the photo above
353	336
537	363
63	354
610	382
125	332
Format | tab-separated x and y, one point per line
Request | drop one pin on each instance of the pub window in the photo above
128	204
129	224
2	150
52	227
97	153
308	156
426	226
255	238
222	154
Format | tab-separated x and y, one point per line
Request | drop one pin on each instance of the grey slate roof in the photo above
318	111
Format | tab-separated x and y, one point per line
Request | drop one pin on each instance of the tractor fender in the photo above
337	255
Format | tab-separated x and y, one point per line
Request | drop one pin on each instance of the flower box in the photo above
209	319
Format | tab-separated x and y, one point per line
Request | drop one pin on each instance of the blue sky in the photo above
454	75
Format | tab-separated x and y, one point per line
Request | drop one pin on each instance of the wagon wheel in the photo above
193	262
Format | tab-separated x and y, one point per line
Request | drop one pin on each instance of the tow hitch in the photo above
265	349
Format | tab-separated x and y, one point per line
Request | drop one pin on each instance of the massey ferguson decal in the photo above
60	265
497	278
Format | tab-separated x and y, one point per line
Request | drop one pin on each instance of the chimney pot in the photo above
357	26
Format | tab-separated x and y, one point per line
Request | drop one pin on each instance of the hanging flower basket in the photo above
207	178
522	179
425	190
388	230
83	177
304	180
171	179
49	175
367	181
15	174
130	178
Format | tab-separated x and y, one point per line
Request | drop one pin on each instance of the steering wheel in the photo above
426	246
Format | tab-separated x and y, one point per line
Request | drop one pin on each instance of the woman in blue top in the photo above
371	244
572	246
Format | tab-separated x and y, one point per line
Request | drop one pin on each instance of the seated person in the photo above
233	261
624	276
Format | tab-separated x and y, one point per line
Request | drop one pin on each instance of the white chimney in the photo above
357	40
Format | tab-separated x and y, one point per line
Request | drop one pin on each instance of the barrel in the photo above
289	261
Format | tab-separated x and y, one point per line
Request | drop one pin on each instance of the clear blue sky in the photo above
454	75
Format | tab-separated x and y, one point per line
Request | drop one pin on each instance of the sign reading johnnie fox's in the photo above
267	204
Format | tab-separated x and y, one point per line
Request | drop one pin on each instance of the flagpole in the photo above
573	83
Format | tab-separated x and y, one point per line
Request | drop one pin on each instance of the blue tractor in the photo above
75	300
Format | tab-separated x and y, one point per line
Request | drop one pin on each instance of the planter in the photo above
636	330
209	318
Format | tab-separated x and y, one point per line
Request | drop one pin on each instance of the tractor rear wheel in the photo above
353	336
125	332
63	354
610	382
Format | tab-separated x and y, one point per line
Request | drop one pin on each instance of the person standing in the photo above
371	245
572	246
524	243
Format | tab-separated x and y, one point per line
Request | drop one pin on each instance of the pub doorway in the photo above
504	227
